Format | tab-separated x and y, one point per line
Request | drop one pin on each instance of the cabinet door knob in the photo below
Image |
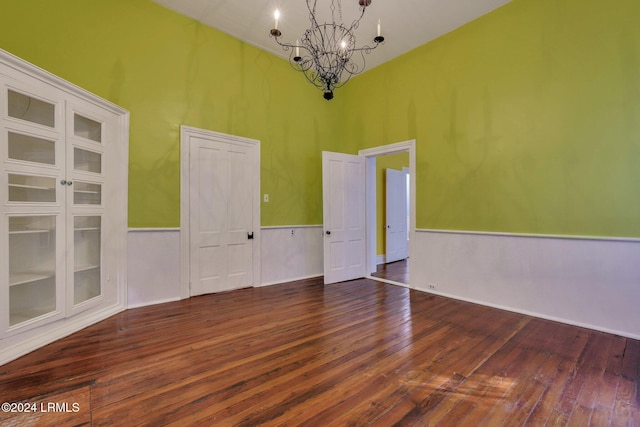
69	182
63	181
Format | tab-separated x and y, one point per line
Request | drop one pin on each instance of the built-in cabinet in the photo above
63	192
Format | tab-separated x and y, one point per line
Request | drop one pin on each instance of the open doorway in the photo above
377	161
392	217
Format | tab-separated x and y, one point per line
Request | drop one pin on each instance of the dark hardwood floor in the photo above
397	271
358	353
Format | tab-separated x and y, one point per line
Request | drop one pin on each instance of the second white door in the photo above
221	215
343	187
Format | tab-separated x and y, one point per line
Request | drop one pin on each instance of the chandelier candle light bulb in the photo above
329	48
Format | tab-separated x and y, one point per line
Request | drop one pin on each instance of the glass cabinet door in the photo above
86	160
32	267
87	128
32	198
31	148
30	109
85	193
87	258
85	156
31	189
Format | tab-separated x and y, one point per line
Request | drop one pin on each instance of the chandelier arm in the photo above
366	49
356	23
304	65
313	79
288	46
353	68
307	70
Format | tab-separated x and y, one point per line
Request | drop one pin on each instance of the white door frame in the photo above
185	133
371	154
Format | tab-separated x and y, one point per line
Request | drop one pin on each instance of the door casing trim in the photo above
370	165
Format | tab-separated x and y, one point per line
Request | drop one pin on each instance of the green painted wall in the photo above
527	120
168	70
391	161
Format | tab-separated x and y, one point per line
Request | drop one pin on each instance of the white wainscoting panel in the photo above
154	260
291	253
593	283
153	266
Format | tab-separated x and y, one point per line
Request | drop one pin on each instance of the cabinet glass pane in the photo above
89	161
32	267
31	149
86	284
26	188
87	128
87	194
31	109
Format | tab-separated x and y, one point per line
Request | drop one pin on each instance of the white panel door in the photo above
221	210
343	188
397	241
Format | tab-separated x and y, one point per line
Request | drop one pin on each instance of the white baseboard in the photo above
153	302
294	279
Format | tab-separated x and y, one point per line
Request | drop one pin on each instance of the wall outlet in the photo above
293	231
432	286
265	198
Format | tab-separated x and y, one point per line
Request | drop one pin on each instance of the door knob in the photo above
328	232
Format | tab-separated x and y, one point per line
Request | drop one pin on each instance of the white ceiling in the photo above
406	24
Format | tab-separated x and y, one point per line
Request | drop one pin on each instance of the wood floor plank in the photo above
294	390
611	376
557	371
365	387
376	397
601	416
494	378
446	373
345	340
358	353
516	401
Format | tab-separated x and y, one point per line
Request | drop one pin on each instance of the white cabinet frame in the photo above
42	85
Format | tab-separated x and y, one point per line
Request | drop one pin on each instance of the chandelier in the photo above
325	55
